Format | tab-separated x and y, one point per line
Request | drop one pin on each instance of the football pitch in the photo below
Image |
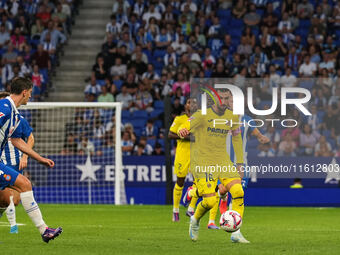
107	229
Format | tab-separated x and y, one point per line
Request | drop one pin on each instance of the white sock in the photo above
237	232
10	212
176	210
32	209
2	209
211	221
194	219
191	209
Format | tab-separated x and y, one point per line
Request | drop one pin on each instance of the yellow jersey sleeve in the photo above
175	125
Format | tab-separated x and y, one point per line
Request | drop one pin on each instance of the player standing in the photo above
15	159
21	90
182	158
210	150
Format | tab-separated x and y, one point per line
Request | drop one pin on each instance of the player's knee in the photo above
210	201
16	200
236	191
180	181
23	184
4	204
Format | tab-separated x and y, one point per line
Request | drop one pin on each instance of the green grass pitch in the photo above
107	229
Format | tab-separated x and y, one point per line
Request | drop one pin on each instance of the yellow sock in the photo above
213	211
205	205
193	202
237	194
177	195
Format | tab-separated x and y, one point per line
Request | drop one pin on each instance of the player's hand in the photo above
183	133
263	139
47	162
22	163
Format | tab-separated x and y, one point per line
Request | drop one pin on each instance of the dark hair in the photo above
3	94
19	84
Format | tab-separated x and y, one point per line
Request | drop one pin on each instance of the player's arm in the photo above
237	144
24	158
21	145
260	137
193	122
173	129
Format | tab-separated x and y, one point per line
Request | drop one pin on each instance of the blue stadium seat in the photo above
237	23
152	142
139	115
138	131
118	84
261	105
332	142
161	142
155	113
159	54
158	124
126	114
320	114
138	123
159	105
306	84
304	23
327	134
223	14
279	62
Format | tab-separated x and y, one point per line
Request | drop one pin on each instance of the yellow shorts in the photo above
208	185
182	167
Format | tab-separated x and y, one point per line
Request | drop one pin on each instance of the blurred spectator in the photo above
10	55
105	96
287	146
308	140
92	88
41	58
129	128
37	80
142	100
150	131
143	148
125	98
70	146
307	69
158	150
323	148
288	79
266	150
118	68
305	9
85	147
127	144
4	36
251	18
99	70
239	10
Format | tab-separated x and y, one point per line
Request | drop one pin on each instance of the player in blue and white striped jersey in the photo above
15	159
21	90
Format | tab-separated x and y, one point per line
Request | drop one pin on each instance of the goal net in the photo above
84	140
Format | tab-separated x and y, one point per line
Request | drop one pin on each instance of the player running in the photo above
182	158
15	159
21	90
246	131
209	150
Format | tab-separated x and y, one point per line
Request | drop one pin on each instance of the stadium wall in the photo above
145	182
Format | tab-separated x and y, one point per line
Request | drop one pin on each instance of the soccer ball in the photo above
230	221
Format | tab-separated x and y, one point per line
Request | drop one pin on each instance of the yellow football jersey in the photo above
182	158
209	150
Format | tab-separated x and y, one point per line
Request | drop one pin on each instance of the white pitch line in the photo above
5	224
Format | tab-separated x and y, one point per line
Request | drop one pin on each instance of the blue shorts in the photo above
8	176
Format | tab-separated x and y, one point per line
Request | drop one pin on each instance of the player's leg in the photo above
181	166
206	189
21	184
234	186
213	213
14	199
4	199
177	195
191	198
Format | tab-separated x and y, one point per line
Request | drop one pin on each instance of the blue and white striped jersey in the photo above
11	155
246	130
9	121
